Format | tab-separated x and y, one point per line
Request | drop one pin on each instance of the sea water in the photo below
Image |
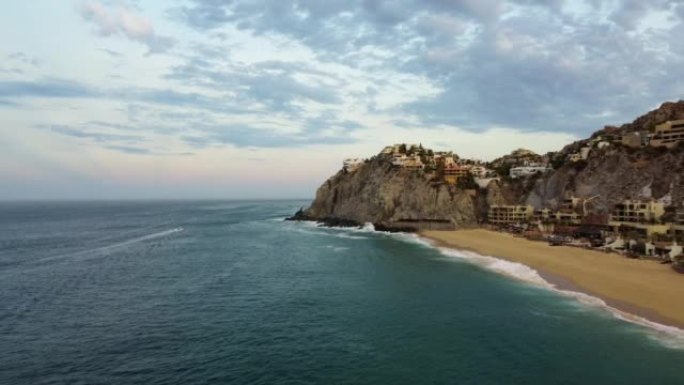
229	293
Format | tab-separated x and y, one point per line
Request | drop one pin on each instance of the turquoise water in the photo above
228	293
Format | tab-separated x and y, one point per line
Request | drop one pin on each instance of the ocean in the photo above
228	293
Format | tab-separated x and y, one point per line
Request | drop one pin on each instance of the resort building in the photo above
668	134
352	164
503	215
638	211
517	172
678	225
561	217
454	172
639	216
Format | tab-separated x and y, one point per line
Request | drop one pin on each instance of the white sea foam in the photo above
337	248
670	336
98	251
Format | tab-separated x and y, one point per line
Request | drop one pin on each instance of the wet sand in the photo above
644	288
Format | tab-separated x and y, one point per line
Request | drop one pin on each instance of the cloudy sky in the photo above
264	98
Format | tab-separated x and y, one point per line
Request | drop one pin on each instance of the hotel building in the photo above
508	214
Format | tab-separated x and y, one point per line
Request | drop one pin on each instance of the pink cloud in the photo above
120	19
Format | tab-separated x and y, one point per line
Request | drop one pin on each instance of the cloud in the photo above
276	85
129	149
99	137
46	88
122	20
525	64
249	135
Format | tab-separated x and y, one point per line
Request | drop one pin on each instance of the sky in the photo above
227	99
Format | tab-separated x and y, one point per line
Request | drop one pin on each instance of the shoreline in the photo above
634	288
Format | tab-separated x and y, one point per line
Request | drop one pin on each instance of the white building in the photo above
517	172
479	171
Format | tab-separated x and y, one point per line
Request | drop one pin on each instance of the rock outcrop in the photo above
392	198
614	174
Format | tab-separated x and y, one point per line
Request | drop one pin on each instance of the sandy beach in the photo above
641	287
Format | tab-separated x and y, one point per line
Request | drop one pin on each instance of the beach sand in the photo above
642	287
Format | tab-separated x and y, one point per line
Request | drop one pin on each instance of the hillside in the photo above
412	188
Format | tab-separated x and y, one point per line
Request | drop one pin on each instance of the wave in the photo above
117	245
669	336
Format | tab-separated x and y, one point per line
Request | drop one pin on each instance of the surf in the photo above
104	250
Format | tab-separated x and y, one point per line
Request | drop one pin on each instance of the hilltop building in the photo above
522	171
583	154
352	164
454	172
668	134
480	171
413	162
636	139
444	158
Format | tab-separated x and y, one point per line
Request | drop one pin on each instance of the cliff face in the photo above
392	197
614	174
396	198
666	111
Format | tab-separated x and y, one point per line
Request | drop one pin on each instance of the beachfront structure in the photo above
565	218
352	164
645	230
639	216
522	171
668	134
562	217
638	211
678	225
509	214
455	172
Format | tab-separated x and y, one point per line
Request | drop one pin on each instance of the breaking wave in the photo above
669	336
98	251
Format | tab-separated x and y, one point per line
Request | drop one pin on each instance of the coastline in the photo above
641	288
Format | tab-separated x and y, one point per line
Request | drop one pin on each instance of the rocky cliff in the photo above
613	174
617	172
397	198
391	198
